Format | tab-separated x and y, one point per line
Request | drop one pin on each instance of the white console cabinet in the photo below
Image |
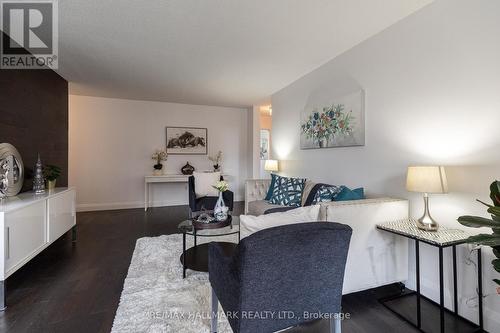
28	224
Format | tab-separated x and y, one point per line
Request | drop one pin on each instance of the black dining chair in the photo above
291	269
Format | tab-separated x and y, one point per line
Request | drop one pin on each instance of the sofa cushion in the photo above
250	224
348	194
259	207
288	191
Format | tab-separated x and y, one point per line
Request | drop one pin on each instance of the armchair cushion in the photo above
204	182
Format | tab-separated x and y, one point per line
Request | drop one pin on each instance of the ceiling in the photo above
211	52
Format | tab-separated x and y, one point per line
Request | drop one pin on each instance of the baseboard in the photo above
90	207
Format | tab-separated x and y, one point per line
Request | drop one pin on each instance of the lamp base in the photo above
426	222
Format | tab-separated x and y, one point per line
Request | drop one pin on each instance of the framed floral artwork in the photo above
333	122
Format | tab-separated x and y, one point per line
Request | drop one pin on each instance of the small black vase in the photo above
158	166
188	169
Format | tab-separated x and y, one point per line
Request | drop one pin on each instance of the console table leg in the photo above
417	268
3	299
146	196
480	288
455	287
441	290
183	255
73	234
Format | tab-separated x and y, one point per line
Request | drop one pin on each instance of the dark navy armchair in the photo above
196	205
287	269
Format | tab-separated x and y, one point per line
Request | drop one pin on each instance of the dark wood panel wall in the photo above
34	117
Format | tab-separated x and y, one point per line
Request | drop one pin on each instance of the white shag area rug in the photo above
155	297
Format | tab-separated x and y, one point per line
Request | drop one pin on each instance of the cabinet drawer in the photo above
24	233
61	214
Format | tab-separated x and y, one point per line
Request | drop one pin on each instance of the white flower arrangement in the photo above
159	155
221	186
217	158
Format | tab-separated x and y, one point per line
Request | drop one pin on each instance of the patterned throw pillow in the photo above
326	193
287	191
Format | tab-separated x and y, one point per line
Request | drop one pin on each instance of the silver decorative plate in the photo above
11	170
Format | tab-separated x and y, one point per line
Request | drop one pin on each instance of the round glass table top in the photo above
234	228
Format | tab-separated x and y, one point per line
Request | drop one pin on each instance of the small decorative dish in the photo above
211	225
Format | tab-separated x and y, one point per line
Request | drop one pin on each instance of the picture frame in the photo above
330	122
265	138
186	140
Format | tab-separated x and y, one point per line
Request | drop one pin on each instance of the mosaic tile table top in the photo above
443	237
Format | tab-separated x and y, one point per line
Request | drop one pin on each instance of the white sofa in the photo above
375	258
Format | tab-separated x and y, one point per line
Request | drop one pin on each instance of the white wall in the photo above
111	142
432	85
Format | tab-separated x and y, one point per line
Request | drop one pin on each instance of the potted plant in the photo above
159	156
51	173
216	160
491	240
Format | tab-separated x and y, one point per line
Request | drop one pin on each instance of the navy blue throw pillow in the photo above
326	193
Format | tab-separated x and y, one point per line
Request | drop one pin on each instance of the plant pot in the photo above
158	166
157	172
51	184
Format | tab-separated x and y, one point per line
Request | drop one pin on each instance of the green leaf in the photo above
478	222
496	264
485	239
497	281
495	192
494	211
496	251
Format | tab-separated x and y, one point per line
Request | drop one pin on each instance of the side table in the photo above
196	257
443	238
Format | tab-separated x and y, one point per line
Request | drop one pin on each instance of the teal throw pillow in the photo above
348	194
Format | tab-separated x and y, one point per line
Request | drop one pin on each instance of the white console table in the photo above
28	224
168	178
160	179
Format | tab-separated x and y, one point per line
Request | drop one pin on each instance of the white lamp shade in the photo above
426	179
271	165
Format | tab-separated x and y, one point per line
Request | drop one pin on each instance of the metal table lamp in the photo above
426	180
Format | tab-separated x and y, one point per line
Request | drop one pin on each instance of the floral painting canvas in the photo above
333	122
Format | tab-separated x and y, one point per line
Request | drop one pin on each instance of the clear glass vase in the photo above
220	210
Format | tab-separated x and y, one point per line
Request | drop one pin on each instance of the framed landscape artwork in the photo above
333	122
187	141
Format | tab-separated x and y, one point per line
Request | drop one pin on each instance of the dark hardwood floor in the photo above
75	287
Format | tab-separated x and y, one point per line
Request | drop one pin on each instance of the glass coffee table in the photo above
196	257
